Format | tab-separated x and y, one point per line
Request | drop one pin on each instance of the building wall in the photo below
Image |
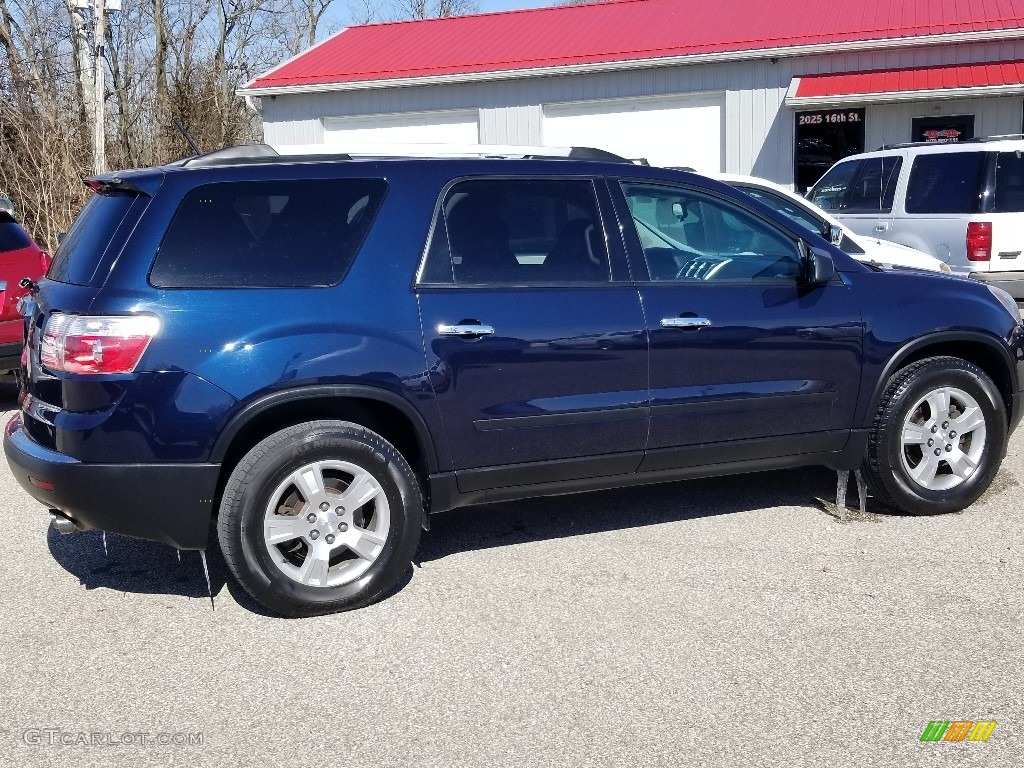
758	127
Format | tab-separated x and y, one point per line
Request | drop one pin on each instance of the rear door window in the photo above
83	247
267	234
946	182
518	232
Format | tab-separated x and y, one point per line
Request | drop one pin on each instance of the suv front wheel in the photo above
320	517
937	437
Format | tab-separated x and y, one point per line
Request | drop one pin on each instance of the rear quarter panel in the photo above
250	342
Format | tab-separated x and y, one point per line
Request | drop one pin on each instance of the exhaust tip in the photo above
64	524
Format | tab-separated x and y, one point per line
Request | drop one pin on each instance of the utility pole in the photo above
93	91
99	139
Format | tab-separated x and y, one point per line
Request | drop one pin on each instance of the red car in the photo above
20	257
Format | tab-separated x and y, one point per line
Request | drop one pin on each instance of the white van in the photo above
806	214
961	202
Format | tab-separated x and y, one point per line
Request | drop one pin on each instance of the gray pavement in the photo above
727	622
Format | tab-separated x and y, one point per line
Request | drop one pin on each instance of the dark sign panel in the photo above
942	130
824	137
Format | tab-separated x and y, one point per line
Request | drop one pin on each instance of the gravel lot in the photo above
711	623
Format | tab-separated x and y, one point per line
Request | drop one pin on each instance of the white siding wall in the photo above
758	126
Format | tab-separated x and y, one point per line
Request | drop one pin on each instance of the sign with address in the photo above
830	117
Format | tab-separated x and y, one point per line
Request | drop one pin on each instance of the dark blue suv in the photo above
318	352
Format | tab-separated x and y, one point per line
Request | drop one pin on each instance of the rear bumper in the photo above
169	503
1011	282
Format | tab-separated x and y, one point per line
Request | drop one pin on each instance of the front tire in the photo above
937	439
323	516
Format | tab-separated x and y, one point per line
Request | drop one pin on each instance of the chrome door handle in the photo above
685	322
881	226
465	330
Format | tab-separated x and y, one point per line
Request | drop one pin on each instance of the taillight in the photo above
979	241
93	344
45	260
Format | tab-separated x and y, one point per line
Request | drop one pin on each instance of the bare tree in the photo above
168	63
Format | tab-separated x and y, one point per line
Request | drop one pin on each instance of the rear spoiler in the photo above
113	185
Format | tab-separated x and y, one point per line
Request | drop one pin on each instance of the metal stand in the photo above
841	485
206	570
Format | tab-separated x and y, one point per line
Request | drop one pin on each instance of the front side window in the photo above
946	182
518	232
270	234
688	235
859	186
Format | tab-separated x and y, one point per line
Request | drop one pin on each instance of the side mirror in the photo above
818	267
835	235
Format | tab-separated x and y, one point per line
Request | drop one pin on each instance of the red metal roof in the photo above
625	30
994	73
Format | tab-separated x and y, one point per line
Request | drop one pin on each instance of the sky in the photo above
489	6
339	12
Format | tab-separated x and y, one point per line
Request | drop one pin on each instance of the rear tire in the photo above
321	517
937	438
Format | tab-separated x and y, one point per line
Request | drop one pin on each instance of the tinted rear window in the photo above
81	250
946	182
12	236
1009	183
270	234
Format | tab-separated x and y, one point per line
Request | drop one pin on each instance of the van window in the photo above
518	232
80	252
859	186
271	234
687	235
946	182
1009	196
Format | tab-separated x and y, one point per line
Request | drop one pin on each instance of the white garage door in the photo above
457	127
672	131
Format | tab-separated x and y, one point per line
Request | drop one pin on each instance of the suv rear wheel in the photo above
322	516
937	438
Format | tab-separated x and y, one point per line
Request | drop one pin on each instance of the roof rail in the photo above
244	154
454	150
998	137
975	140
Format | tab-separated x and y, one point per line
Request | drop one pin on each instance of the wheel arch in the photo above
383	411
977	348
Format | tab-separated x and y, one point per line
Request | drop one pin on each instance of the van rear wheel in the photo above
323	516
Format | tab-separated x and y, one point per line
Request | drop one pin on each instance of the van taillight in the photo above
94	344
979	241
